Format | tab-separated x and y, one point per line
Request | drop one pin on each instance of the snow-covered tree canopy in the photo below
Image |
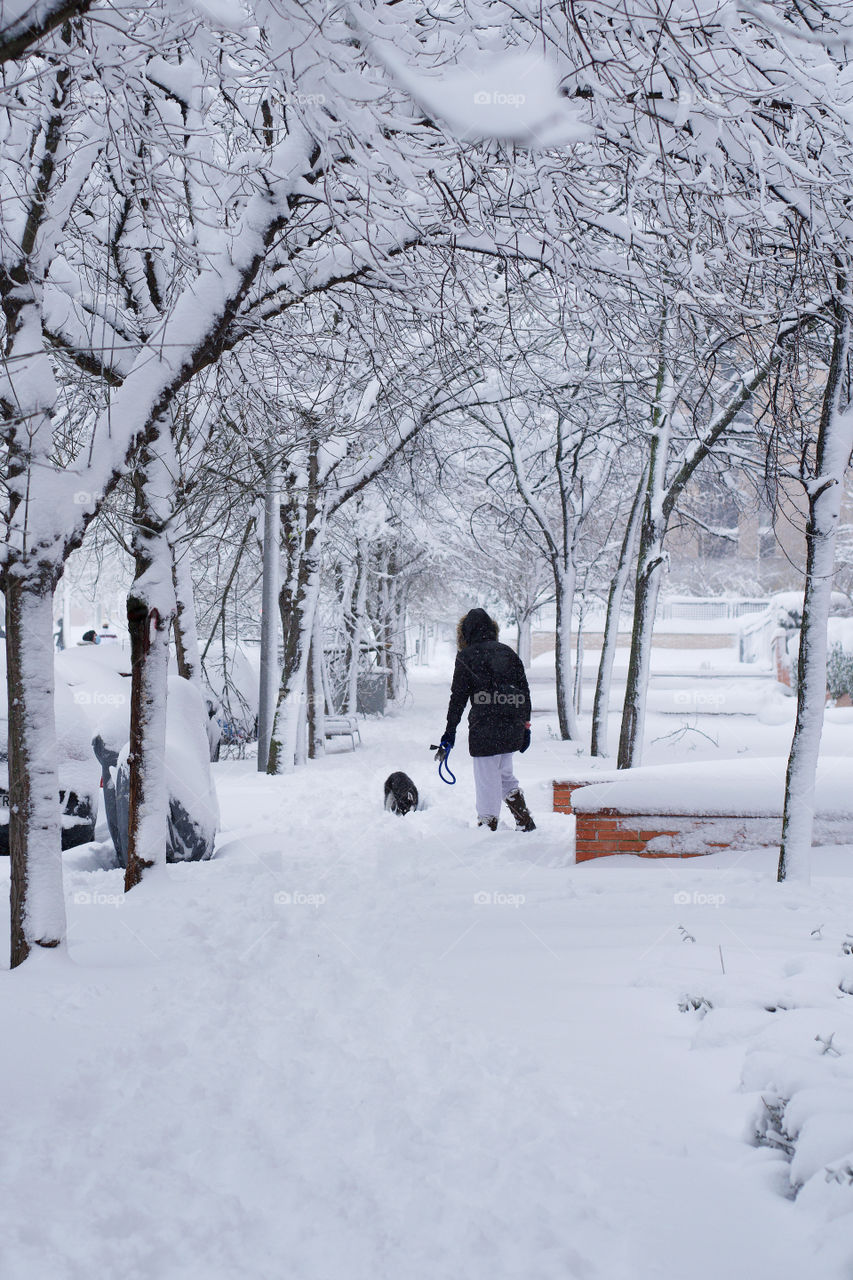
300	244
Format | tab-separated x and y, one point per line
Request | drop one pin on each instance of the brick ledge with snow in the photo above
685	810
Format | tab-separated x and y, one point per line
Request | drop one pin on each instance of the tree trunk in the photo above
284	743
316	693
524	639
825	493
331	705
27	401
355	628
564	583
650	561
649	565
291	519
35	848
399	612
384	620
270	674
577	691
615	596
150	607
300	754
187	651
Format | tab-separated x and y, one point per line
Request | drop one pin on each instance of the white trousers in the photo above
493	781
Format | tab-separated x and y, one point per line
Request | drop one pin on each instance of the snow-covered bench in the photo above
684	810
343	727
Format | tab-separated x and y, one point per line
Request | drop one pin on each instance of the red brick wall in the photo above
599	835
563	794
604	832
782	662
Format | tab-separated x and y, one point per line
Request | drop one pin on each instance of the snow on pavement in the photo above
356	1045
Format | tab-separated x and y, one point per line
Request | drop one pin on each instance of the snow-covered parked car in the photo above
78	771
193	808
101	682
92	702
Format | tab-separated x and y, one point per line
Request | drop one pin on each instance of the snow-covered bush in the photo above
839	658
839	672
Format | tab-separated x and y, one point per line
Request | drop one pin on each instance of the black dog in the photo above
401	794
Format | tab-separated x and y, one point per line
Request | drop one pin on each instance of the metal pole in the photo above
269	620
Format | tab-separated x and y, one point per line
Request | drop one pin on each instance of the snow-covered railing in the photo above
708	609
755	638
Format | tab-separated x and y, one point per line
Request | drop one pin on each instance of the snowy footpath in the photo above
362	1047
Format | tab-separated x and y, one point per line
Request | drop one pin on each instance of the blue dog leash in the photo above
443	765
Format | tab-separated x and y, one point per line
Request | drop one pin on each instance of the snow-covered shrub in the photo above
695	1004
839	658
839	672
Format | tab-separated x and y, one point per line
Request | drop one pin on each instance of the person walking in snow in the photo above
491	676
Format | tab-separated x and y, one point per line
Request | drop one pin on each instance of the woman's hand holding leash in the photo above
442	752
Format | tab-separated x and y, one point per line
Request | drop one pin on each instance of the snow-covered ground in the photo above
362	1047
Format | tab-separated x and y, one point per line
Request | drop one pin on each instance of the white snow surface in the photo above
362	1047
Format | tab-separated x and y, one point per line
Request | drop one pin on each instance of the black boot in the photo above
491	823
515	802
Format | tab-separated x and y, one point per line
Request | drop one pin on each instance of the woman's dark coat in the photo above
491	676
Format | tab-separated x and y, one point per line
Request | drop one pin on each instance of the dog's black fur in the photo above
401	794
